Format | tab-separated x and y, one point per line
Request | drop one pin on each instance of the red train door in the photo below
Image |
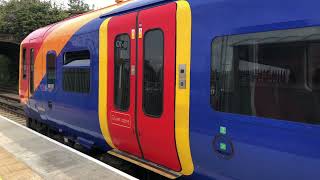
156	85
24	78
122	83
141	84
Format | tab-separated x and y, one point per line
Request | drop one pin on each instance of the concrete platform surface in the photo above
11	168
25	154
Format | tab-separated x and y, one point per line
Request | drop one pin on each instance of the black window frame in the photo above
53	53
31	78
24	63
76	70
162	74
117	106
305	36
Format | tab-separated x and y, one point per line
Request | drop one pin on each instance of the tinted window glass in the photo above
31	71
273	75
314	66
122	72
76	80
76	71
76	56
153	73
51	70
24	63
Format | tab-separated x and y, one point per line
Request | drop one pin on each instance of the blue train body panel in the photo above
263	148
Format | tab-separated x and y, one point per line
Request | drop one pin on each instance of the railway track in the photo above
16	118
8	90
10	106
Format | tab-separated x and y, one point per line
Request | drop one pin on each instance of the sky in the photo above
97	3
100	3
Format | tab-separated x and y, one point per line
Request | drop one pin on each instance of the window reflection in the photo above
277	79
153	73
122	72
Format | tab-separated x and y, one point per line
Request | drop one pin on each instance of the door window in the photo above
24	63
122	72
31	71
153	73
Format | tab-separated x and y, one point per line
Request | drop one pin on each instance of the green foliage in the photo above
21	17
77	7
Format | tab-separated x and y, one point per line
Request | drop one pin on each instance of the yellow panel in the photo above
103	76
182	103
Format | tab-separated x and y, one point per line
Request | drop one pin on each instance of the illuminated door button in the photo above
223	147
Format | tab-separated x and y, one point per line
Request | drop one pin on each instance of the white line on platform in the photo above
73	150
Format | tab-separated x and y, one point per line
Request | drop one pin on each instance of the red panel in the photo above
24	83
157	135
122	124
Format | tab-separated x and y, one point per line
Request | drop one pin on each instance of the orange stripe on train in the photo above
57	37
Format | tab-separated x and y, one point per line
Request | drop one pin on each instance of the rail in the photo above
10	106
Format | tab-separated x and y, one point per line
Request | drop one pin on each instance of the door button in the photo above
182	71
182	76
182	84
223	146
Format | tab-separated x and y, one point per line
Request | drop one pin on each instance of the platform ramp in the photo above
39	157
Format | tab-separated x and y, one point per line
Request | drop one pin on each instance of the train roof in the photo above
120	8
139	4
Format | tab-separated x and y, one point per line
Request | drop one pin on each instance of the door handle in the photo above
50	104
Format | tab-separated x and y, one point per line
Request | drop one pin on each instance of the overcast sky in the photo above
97	3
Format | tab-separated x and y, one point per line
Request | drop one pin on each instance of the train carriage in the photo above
191	89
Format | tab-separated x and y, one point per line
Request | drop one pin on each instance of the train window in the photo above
31	83
314	66
51	70
82	56
153	72
122	72
24	63
76	80
271	74
76	71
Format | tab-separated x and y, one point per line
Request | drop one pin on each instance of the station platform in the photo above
25	154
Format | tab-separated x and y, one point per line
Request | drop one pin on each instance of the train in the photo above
210	89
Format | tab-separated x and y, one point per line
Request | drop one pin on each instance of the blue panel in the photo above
133	6
263	148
